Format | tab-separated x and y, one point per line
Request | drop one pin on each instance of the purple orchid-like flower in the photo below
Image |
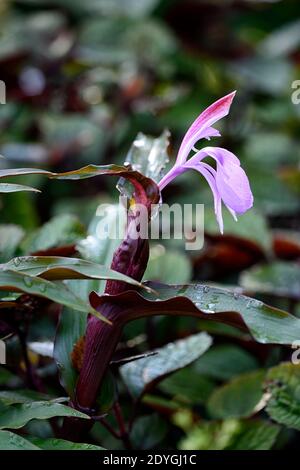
228	182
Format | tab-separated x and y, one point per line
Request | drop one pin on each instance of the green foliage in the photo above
282	384
141	374
225	361
231	435
148	431
171	266
280	278
17	415
59	231
62	444
222	305
11	441
239	398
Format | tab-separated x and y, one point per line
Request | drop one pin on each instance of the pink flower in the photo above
228	182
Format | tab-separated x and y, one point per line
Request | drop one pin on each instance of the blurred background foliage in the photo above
83	78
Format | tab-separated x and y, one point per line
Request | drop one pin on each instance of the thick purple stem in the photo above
101	339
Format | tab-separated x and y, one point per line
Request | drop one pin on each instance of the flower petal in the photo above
209	174
231	180
220	155
234	188
201	127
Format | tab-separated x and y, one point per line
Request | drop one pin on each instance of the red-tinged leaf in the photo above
65	250
146	190
286	244
225	256
265	323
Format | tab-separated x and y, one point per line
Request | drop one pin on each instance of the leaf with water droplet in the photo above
266	324
11	441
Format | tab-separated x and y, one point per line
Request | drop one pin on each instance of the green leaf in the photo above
8	397
70	329
176	386
62	444
291	176
16	416
11	441
261	236
17	208
231	435
67	128
56	268
101	250
279	278
140	375
148	431
23	171
61	230
283	41
10	238
239	398
283	385
225	361
272	196
6	377
266	324
265	74
14	188
282	152
55	291
209	435
169	266
255	435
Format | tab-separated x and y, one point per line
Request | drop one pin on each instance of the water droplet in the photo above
211	307
206	289
253	303
43	288
28	281
17	262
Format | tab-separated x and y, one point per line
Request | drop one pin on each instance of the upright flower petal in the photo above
228	182
201	127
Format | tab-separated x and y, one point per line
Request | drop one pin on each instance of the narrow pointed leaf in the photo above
23	171
146	190
11	280
55	268
16	416
14	188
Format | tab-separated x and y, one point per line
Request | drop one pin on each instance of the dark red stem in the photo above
101	339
